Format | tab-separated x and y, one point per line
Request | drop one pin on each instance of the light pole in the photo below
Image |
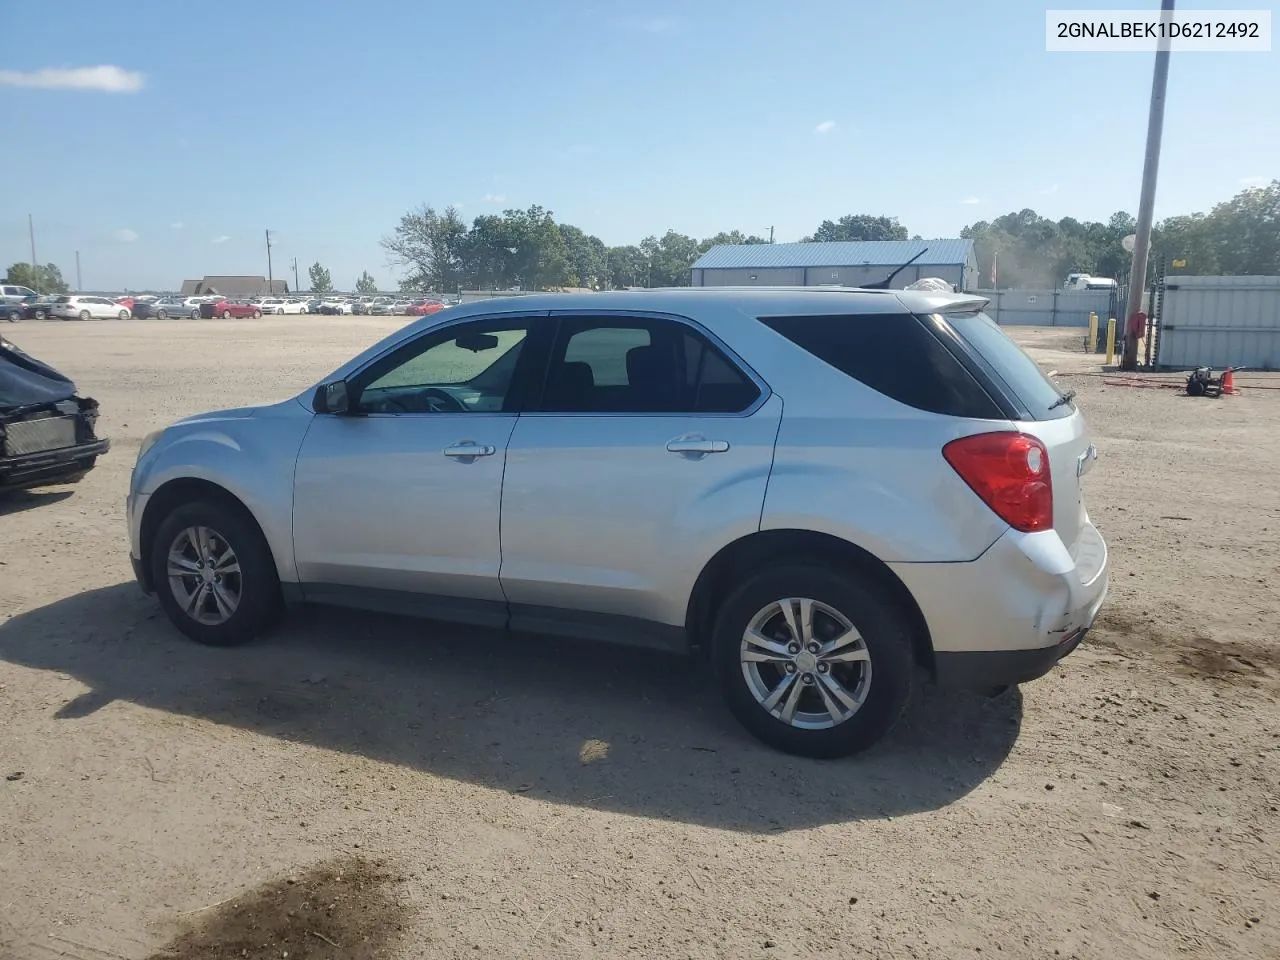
270	279
79	285
296	285
1147	201
35	267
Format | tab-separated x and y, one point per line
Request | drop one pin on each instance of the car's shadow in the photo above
15	501
575	723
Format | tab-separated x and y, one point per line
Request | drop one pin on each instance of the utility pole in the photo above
79	285
771	234
1147	202
35	266
296	285
270	279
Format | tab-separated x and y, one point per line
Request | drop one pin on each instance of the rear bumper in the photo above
1013	613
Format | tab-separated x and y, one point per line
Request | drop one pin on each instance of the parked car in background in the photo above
126	302
423	307
335	306
915	505
143	309
28	308
314	304
46	429
230	309
272	306
68	307
10	293
167	307
295	305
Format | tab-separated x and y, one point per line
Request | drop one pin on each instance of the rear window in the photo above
893	354
1019	372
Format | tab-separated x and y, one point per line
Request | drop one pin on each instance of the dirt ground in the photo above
359	786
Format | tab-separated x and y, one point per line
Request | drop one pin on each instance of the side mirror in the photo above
331	398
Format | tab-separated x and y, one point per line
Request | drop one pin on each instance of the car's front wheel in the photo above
195	314
812	660
214	574
123	315
162	315
85	315
257	314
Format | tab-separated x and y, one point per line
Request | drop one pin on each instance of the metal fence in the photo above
1219	322
1049	308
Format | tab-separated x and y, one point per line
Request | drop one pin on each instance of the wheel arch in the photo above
172	494
745	556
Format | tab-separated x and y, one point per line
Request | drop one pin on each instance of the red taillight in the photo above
1010	472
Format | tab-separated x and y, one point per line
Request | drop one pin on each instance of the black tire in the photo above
162	315
885	634
257	314
40	314
13	316
259	583
123	315
85	315
195	314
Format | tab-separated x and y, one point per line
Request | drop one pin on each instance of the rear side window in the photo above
1020	373
893	354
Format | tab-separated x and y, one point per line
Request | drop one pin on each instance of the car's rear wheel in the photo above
13	316
40	314
813	661
226	314
162	315
84	314
195	314
213	572
123	315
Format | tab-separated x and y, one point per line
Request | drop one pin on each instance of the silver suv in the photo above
823	492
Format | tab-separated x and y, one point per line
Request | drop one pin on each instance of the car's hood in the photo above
25	381
234	413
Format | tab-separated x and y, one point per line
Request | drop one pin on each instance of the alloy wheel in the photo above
805	663
204	575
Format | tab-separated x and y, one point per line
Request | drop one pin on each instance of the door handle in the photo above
697	446
469	450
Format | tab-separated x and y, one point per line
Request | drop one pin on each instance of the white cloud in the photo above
107	79
1049	191
222	239
826	126
125	235
1254	181
177	225
494	198
970	200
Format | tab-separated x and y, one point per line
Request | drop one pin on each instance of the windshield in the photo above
1020	373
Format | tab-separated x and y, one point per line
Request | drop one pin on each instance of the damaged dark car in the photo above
47	431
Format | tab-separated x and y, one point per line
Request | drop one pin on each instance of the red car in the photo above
226	309
422	308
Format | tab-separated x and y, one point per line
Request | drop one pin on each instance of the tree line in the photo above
439	251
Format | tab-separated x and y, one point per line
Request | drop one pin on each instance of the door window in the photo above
617	365
463	369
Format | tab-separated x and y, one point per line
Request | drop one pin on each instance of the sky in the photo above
161	139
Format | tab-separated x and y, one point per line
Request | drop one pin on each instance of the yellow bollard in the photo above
1091	344
1111	341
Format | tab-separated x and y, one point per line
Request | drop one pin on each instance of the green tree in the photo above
433	247
860	226
669	260
586	257
732	238
321	280
45	278
366	284
627	266
521	248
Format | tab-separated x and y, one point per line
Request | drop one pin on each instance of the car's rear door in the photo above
647	450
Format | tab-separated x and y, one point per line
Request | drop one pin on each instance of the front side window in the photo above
623	365
464	369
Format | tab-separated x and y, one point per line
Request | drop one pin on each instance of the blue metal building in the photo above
848	264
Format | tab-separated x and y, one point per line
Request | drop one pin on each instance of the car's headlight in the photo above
148	442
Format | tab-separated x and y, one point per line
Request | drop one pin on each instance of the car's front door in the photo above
648	449
396	503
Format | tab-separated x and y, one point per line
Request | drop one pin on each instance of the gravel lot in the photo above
361	786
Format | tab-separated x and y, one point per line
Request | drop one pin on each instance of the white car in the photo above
271	305
88	308
295	305
167	307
